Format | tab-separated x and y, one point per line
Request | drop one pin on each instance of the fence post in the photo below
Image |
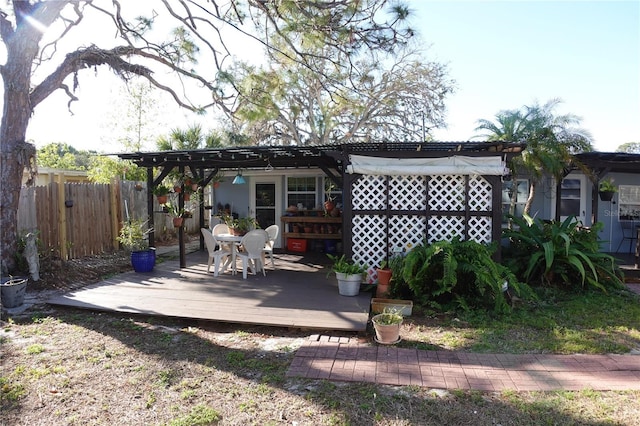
62	218
116	216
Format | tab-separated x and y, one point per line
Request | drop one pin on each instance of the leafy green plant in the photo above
343	265
133	235
388	317
240	223
564	254
458	274
160	190
606	185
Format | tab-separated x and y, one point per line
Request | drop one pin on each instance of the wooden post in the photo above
62	218
116	212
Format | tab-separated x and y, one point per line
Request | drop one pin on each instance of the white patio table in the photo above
234	242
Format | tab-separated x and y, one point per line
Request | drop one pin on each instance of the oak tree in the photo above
45	52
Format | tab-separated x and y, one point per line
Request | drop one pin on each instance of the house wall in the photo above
544	203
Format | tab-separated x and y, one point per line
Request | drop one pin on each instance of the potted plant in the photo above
239	226
216	180
348	273
387	326
384	278
329	205
177	213
606	189
162	193
133	237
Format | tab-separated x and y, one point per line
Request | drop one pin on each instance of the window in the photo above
629	202
521	193
570	202
301	192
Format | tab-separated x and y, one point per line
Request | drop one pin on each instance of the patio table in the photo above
234	242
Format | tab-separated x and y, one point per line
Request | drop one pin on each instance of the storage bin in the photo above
298	245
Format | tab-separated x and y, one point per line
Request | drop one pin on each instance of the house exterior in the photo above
390	196
578	195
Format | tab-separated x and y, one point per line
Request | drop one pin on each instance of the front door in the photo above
265	201
574	200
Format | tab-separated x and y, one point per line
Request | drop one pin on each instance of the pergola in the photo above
601	163
204	164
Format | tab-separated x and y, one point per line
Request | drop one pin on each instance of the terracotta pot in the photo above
328	206
237	232
177	189
187	196
178	221
386	334
194	186
216	185
162	199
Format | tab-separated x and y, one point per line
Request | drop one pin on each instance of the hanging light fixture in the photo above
238	180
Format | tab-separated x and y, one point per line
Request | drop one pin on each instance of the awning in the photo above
455	165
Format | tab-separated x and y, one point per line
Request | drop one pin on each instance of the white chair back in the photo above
220	228
209	240
253	242
272	232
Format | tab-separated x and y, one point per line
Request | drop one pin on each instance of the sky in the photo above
501	54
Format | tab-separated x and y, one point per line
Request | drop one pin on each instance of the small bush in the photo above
455	274
561	254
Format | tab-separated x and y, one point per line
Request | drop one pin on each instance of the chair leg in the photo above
209	264
264	272
245	266
216	270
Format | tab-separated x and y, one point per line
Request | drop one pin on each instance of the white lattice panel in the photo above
407	193
406	232
368	193
369	239
480	229
446	193
444	228
479	194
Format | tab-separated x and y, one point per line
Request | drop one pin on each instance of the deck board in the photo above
296	294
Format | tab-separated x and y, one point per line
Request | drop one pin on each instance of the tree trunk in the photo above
532	193
15	153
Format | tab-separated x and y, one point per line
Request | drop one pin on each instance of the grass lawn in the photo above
72	367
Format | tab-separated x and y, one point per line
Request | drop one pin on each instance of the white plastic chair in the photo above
253	243
214	255
221	228
272	232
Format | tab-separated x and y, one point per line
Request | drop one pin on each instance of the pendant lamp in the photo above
239	180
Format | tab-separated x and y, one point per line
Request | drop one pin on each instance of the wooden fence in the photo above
74	220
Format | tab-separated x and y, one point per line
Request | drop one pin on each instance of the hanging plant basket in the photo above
606	195
178	221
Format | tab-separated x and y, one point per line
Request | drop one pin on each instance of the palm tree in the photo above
190	138
551	140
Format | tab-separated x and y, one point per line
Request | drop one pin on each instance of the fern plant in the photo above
459	274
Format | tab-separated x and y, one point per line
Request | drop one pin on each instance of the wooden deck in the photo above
296	294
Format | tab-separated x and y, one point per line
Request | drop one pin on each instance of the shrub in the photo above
561	254
457	274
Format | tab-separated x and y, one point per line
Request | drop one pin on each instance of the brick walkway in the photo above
346	359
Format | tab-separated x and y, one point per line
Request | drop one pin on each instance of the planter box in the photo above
402	306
